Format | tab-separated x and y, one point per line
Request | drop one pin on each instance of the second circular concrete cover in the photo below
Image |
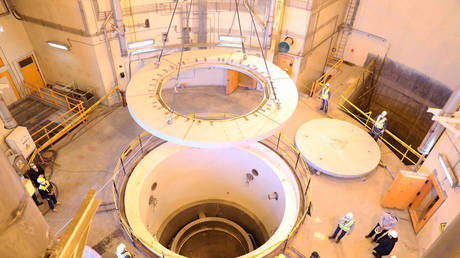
337	148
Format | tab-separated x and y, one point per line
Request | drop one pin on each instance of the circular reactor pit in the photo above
189	202
152	112
337	148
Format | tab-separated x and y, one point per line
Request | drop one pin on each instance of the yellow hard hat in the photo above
40	180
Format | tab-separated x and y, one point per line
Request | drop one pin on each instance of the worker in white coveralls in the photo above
380	125
386	222
346	224
325	95
122	252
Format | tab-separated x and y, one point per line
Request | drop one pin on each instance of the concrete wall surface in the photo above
423	35
324	19
14	45
451	206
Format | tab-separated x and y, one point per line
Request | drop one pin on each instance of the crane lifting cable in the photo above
167	33
169	120
263	56
241	32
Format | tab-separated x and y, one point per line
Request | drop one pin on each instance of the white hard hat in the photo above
349	215
384	113
393	233
327	85
120	248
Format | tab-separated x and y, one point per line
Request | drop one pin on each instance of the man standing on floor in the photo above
325	95
345	225
380	125
32	174
387	222
47	192
386	244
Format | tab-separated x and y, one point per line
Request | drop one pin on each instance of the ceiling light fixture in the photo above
142	43
228	45
58	45
231	39
450	174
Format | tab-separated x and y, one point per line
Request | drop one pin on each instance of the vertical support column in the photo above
23	229
202	27
8	120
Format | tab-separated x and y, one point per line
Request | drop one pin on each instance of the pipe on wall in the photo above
437	129
8	120
116	8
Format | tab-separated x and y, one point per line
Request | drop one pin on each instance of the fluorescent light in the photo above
450	175
228	45
57	45
231	39
142	43
145	50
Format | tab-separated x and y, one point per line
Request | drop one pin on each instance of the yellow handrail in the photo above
387	132
81	117
63	119
55	97
323	79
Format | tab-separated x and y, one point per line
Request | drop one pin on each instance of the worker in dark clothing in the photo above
380	125
386	222
325	95
33	173
386	244
47	192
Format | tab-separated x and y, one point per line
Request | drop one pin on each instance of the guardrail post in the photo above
123	166
67	101
298	157
405	153
277	144
140	143
285	244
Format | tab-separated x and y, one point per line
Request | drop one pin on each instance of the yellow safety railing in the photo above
321	81
58	123
368	122
51	96
73	106
67	127
280	143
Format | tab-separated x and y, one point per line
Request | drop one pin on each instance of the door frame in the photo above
417	222
12	75
18	69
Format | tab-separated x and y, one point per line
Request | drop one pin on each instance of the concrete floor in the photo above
88	160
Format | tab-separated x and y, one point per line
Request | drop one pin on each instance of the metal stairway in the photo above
347	26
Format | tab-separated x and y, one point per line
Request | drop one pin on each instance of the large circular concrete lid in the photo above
337	148
151	113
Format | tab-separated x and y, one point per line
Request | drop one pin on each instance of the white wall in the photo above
14	44
451	206
210	76
14	41
424	35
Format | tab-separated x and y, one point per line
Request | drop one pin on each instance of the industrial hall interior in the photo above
230	128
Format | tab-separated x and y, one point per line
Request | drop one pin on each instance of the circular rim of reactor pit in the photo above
337	148
151	113
142	170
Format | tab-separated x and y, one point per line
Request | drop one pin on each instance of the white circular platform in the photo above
337	148
151	113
